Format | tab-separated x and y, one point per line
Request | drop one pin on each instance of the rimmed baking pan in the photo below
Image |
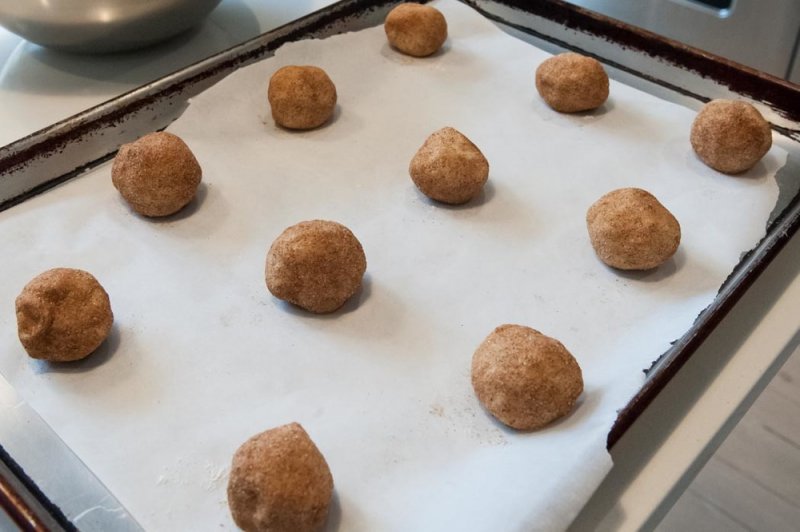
674	71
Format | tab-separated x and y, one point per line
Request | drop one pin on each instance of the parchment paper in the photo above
202	356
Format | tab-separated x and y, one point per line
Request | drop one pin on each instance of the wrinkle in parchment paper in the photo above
204	357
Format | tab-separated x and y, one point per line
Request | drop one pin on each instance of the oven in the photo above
762	34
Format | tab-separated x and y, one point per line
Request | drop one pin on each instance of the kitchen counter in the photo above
658	457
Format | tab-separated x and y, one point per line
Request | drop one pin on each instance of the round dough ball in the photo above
416	29
630	230
301	97
157	175
280	482
449	167
63	314
524	378
571	82
730	136
316	265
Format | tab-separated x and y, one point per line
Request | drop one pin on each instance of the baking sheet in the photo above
202	356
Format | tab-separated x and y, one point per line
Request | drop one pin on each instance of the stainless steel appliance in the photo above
762	34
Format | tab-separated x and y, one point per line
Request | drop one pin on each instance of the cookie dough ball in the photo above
316	265
280	482
524	378
449	167
157	175
571	82
63	314
631	230
730	136
301	97
416	29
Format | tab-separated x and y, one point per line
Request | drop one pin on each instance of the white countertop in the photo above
667	446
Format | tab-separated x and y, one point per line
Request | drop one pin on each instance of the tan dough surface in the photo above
524	378
730	136
631	230
317	265
571	82
280	482
301	97
157	175
449	167
416	29
63	314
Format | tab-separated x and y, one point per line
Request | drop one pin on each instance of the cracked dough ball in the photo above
157	175
301	97
316	265
280	482
571	82
730	136
524	378
630	230
449	167
416	29
63	315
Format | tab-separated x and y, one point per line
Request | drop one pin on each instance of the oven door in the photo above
762	34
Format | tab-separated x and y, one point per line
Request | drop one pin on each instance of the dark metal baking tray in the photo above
667	68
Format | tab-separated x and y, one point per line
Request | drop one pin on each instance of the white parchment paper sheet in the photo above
202	356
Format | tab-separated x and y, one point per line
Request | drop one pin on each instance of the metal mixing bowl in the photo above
100	26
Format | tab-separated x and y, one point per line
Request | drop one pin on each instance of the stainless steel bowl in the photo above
100	26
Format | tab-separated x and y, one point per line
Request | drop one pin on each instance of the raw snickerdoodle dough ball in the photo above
63	314
571	82
449	167
416	29
730	136
524	378
157	175
301	97
316	265
280	482
631	230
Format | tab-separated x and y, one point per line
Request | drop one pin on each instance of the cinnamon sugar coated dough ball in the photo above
63	314
730	136
524	378
301	97
449	167
415	29
316	265
571	82
157	175
631	230
280	482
